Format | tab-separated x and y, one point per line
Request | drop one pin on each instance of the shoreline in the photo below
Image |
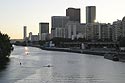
73	50
85	51
121	55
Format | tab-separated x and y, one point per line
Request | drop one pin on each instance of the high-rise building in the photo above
43	29
90	14
59	21
75	30
117	30
71	28
24	33
58	26
98	31
104	31
123	27
74	14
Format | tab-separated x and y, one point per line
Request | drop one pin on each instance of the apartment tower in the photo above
74	14
90	14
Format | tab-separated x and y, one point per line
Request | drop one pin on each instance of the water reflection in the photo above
26	50
4	64
66	68
3	67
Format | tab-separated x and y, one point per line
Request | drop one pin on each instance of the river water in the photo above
30	65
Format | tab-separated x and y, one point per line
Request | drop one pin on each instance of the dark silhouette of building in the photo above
74	14
43	30
90	14
44	27
24	33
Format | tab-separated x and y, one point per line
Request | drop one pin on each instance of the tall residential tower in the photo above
24	33
74	14
58	26
90	14
43	31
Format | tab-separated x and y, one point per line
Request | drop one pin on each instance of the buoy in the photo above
48	66
20	63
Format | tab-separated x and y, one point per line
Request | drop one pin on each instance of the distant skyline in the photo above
14	14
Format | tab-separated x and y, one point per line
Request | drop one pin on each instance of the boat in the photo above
113	57
48	66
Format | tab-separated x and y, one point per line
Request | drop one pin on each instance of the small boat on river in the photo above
113	57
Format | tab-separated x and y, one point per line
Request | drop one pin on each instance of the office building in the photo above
74	30
59	21
60	32
92	31
30	36
98	31
71	29
123	27
43	29
33	38
52	33
90	14
81	30
105	31
117	30
74	14
58	26
24	33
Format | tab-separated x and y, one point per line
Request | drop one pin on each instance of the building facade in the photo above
59	21
33	38
25	33
117	30
58	26
74	14
104	32
90	14
43	29
98	31
92	31
123	27
75	30
71	29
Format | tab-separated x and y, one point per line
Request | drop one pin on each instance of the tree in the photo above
5	46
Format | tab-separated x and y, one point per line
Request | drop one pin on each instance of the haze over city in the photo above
14	14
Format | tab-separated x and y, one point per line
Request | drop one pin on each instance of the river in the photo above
30	65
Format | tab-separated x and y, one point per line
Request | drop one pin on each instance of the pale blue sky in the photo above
14	14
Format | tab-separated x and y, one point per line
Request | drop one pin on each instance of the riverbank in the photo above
74	50
121	55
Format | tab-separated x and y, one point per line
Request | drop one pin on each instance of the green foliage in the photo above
5	45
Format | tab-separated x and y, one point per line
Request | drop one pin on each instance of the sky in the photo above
14	14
